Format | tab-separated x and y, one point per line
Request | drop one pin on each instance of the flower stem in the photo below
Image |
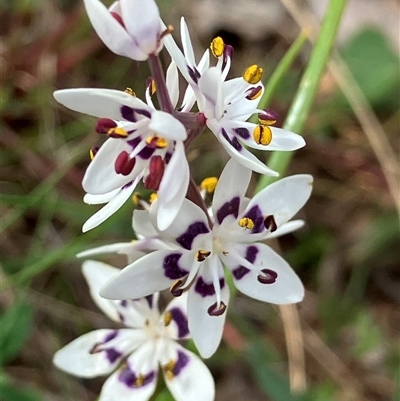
309	83
161	87
193	194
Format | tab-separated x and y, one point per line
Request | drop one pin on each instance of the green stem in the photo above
309	83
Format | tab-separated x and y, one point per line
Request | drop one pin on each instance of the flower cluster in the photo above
183	244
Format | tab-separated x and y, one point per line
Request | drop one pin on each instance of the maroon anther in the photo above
270	223
156	168
118	18
124	164
104	125
268	117
176	289
214	310
268	276
254	93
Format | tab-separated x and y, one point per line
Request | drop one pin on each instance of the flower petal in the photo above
287	228
287	287
111	32
151	273
122	248
190	379
210	85
167	126
142	224
284	198
98	352
98	199
176	315
172	82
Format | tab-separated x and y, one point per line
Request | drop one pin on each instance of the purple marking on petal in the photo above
230	207
127	185
146	153
232	141
181	321
135	141
171	268
143	112
205	289
128	114
129	378
194	74
112	354
123	303
242	132
257	217
180	363
195	229
251	255
110	336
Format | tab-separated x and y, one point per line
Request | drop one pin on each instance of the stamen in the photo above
157	142
140	380
217	47
153	197
96	348
118	18
246	222
202	255
270	223
168	369
93	151
254	93
156	172
268	117
262	134
215	310
167	318
176	289
104	125
136	198
209	184
268	276
253	74
117	132
130	91
168	31
124	164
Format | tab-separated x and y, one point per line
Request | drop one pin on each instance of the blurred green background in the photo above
347	255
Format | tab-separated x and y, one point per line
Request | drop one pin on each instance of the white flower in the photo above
234	241
135	353
226	105
144	143
130	28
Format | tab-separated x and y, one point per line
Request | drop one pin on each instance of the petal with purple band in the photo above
251	254
286	289
191	379
229	208
147	275
175	315
284	198
186	239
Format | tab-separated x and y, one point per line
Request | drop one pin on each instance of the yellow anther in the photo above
129	91
91	154
202	255
153	197
246	222
140	380
217	47
136	198
157	141
168	369
266	122
253	74
209	184
167	318
117	132
262	134
153	87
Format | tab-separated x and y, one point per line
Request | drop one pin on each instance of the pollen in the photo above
136	198
262	134
153	197
167	318
209	184
153	87
130	91
253	74
246	222
201	255
92	152
157	141
140	380
117	132
168	369
217	47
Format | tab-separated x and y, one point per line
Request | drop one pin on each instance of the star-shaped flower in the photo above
133	355
130	28
234	241
143	143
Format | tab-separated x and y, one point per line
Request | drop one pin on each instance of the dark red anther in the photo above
118	18
104	125
176	289
268	117
215	310
268	276
270	223
124	164
156	172
254	93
